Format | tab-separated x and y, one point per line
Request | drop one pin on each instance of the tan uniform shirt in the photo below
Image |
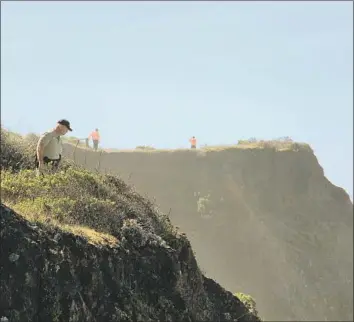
52	145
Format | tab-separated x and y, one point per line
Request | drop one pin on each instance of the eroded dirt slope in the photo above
269	218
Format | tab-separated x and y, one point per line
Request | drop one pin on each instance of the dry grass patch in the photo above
90	235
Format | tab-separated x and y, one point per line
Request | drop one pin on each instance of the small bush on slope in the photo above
16	153
248	301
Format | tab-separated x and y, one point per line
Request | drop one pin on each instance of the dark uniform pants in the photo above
53	162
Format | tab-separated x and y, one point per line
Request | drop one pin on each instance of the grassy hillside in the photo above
264	210
83	246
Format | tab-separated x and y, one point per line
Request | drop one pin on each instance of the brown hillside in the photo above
268	217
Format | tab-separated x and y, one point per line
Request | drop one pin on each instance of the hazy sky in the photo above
157	73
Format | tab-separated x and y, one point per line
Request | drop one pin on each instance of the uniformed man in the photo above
49	147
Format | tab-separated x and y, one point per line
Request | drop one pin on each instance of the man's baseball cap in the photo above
65	123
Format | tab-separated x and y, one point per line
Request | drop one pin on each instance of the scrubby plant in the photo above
203	205
282	143
248	301
16	153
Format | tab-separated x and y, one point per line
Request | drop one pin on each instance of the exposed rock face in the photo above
49	275
261	221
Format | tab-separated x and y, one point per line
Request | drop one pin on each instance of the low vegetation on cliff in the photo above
72	198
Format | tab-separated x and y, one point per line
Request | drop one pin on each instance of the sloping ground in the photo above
86	247
262	220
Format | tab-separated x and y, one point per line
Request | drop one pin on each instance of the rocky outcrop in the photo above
50	275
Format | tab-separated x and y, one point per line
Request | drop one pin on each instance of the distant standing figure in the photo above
95	135
193	142
49	146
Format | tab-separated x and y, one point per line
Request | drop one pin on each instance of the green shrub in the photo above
203	205
16	153
248	301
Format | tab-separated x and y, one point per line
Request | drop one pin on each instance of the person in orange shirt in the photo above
95	135
193	142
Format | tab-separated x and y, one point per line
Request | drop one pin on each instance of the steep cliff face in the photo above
49	275
269	217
